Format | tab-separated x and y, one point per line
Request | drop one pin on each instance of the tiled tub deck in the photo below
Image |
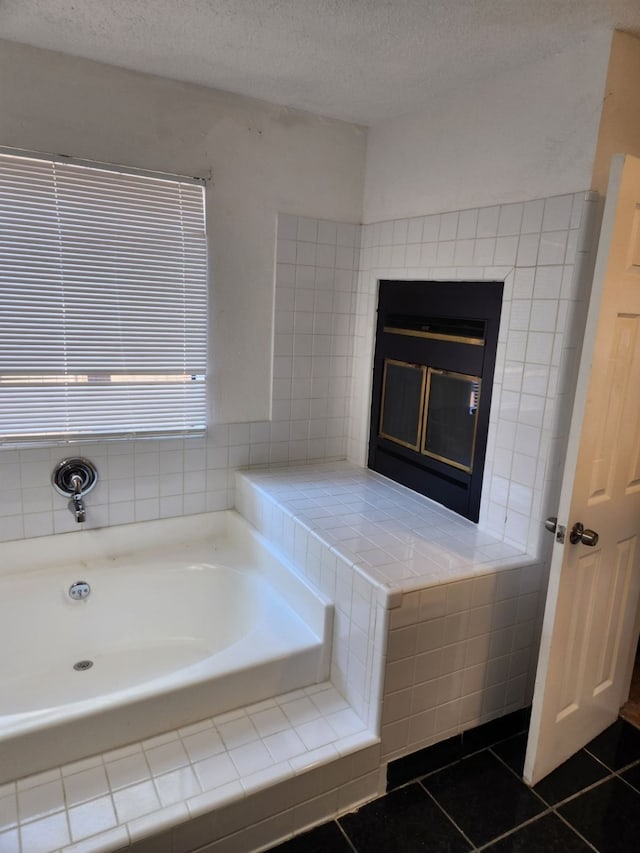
436	623
237	782
436	631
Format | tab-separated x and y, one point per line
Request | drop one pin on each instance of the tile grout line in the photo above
517	828
553	809
584	790
566	799
596	758
626	782
572	827
518	777
622	769
549	808
447	815
346	835
612	775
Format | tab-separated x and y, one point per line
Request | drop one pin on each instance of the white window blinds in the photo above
103	295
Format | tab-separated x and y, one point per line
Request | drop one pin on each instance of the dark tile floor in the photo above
466	794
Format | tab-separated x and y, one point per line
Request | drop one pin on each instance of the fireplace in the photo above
432	381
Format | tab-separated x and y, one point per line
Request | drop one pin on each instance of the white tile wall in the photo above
324	310
138	481
542	250
460	655
316	270
149	479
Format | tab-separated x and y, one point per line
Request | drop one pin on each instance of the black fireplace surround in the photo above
433	371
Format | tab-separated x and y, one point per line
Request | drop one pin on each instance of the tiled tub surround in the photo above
417	590
185	617
436	622
229	784
325	300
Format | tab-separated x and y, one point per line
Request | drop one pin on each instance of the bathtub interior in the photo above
202	615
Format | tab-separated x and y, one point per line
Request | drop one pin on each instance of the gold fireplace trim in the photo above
434	336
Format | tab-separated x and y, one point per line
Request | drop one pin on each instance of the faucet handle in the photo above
74	478
76	482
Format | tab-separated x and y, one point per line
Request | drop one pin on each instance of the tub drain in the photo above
82	665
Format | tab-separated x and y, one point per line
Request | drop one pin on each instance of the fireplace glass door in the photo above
451	418
403	391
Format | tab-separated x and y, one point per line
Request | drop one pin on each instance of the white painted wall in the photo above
263	159
526	135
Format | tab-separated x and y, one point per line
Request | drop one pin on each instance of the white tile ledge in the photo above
205	762
398	540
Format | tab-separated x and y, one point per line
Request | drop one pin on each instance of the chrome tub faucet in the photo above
76	504
74	478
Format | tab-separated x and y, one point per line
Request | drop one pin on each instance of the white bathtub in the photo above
187	618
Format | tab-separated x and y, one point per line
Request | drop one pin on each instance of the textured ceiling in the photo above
359	60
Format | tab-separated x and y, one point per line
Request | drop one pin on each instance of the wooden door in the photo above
591	618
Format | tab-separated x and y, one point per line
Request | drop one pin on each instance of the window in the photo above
103	297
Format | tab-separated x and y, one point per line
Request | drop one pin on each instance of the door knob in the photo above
579	534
